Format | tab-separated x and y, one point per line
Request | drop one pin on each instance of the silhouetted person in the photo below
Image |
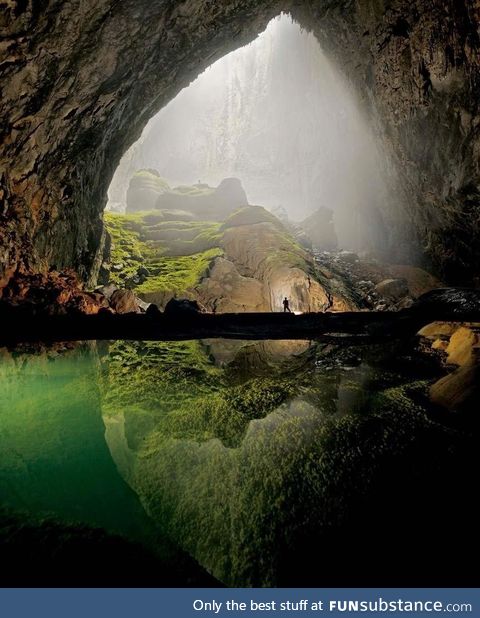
286	306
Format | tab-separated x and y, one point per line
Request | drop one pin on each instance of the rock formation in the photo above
320	230
459	346
79	80
197	244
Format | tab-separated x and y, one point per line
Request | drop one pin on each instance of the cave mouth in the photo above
278	115
273	126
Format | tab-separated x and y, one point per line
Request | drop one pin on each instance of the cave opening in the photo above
272	125
153	386
280	116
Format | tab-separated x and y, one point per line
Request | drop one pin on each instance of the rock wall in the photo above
80	79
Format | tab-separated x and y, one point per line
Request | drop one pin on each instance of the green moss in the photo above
250	215
177	274
193	190
152	178
176	254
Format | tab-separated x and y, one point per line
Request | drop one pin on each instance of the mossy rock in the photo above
176	256
250	215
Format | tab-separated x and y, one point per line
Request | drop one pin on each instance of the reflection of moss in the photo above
187	393
246	504
227	413
148	375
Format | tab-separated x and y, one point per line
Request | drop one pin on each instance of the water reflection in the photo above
256	458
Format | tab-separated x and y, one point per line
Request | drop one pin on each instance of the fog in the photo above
279	116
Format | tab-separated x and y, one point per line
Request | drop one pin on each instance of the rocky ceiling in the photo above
79	79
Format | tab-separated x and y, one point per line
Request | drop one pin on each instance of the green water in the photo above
264	461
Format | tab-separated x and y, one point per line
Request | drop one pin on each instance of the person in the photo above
286	306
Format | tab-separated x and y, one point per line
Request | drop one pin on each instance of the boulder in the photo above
463	346
319	228
153	311
435	330
458	391
124	301
348	257
107	290
225	290
251	215
419	281
183	306
393	289
144	189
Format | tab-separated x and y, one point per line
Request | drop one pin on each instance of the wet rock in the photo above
404	303
143	272
440	344
124	301
459	391
463	346
457	300
393	289
438	329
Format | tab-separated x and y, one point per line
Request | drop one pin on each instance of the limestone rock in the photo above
226	290
463	346
458	391
393	289
203	202
144	189
419	281
320	230
251	215
124	301
438	329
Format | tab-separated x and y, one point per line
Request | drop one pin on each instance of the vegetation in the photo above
152	255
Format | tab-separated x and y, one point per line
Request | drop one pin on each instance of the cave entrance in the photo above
272	124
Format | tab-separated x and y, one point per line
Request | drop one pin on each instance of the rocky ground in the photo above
375	286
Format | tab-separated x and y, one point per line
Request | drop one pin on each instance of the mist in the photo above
279	116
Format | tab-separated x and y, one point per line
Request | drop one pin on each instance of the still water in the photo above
270	463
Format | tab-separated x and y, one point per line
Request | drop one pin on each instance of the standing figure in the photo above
286	306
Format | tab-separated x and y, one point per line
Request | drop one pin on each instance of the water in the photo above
270	463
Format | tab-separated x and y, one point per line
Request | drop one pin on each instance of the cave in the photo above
74	101
304	385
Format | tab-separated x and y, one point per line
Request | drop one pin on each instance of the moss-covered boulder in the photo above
207	245
251	215
144	188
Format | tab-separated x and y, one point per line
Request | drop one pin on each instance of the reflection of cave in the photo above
74	99
347	467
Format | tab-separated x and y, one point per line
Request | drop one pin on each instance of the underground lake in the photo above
255	463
